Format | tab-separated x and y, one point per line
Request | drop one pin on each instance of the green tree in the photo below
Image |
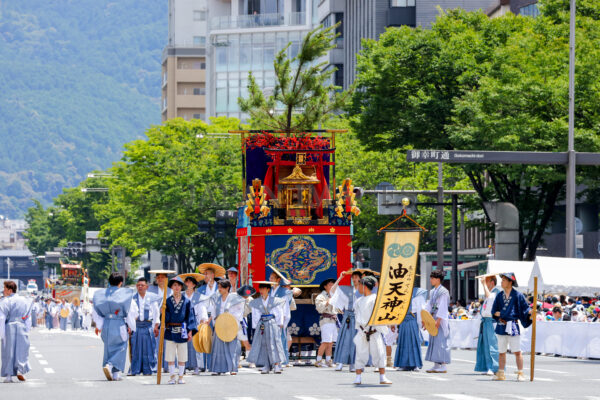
302	89
477	83
164	185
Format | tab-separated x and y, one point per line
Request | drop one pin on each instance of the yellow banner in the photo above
398	269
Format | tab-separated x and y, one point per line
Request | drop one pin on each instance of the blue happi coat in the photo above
113	304
15	322
143	341
512	309
181	314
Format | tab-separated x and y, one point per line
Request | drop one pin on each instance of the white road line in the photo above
511	367
516	396
35	382
86	384
43	362
38	356
48	370
459	397
385	397
461	360
543	379
314	398
239	398
429	376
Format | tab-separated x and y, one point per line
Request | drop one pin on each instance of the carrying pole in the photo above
533	326
161	336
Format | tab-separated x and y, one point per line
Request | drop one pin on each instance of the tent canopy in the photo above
521	269
570	276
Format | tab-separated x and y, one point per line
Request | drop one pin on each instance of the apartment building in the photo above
184	61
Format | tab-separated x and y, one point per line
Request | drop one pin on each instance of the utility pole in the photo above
8	265
440	219
570	200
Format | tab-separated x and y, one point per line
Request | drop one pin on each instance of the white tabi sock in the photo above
327	358
181	370
172	369
319	358
116	375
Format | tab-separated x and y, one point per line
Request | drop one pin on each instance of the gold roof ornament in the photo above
297	177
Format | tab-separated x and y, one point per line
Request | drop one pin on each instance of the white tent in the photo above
521	269
570	276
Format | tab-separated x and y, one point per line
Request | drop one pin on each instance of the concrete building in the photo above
499	8
184	61
11	233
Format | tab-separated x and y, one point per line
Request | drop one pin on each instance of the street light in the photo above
89	190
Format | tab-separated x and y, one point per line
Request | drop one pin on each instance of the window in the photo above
199	15
198	116
531	10
199	41
402	3
198	65
338	75
199	91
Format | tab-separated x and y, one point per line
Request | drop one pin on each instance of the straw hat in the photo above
219	271
197	277
226	327
205	338
366	270
196	343
64	313
161	272
284	280
76	302
429	322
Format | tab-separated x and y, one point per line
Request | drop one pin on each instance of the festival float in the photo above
72	282
295	217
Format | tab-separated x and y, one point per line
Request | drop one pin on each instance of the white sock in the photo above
181	370
381	377
319	358
116	375
358	379
172	369
327	358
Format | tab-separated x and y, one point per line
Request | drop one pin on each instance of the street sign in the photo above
226	214
486	157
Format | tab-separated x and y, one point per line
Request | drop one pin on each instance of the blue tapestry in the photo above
303	259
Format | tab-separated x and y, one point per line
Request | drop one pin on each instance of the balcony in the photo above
191	101
257	21
191	75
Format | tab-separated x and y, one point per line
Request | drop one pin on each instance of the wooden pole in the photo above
161	336
533	326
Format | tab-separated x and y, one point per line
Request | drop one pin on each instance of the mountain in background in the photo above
78	79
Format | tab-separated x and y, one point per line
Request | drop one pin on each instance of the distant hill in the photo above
78	78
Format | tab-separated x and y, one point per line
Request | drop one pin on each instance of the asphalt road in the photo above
67	365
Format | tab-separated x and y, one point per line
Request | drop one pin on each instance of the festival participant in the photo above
48	313
369	339
224	356
279	291
160	282
35	307
143	340
246	292
64	311
438	351
327	322
508	309
76	314
408	351
179	329
267	321
206	291
15	323
232	275
344	298
487	343
55	313
290	293
195	359
113	312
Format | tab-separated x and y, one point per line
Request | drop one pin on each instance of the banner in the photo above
398	269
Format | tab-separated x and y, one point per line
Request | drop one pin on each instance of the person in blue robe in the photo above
223	355
438	350
510	307
279	290
408	350
15	323
63	320
206	291
34	313
143	340
113	312
487	342
48	314
76	316
180	326
160	281
344	299
267	320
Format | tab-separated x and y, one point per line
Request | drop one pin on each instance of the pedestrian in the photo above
179	329
206	291
408	352
267	320
224	356
15	323
557	313
64	311
232	275
508	309
487	343
328	323
161	282
279	291
195	359
34	312
48	314
246	292
438	350
143	339
114	313
344	298
369	339
76	314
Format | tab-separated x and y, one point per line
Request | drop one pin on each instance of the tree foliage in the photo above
302	96
489	84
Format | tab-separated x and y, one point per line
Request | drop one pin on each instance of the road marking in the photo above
461	360
240	398
511	367
385	397
43	362
543	379
315	398
86	384
38	355
48	370
459	397
428	376
516	396
35	382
